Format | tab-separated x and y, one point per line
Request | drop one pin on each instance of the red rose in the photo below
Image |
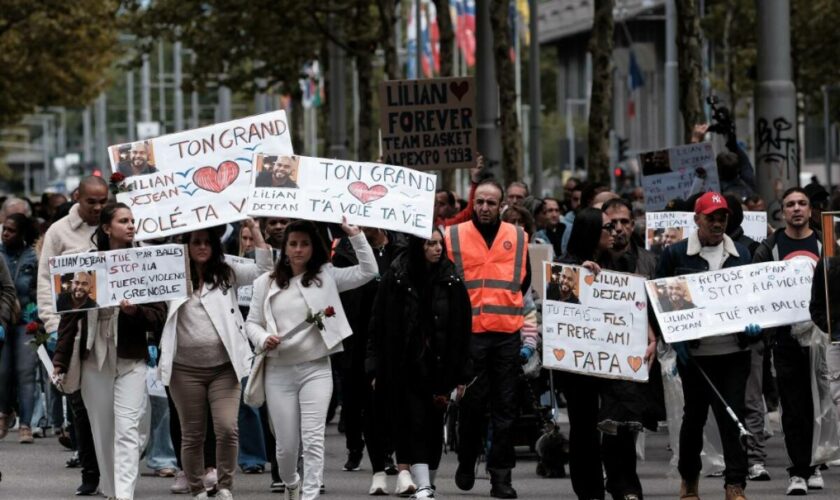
329	312
117	177
31	328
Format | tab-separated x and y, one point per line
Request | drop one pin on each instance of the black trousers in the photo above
793	377
420	439
582	400
619	455
175	434
496	368
728	372
359	409
84	439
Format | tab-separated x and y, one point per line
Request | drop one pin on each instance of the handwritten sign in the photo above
726	301
103	279
428	124
677	172
368	194
243	293
198	178
666	228
596	325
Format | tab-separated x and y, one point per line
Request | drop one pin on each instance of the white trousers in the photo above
297	398
116	399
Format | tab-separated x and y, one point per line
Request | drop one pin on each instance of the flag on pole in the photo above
465	29
635	80
411	69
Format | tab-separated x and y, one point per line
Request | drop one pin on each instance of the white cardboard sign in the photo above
198	178
595	325
663	229
714	303
677	172
243	293
94	280
368	194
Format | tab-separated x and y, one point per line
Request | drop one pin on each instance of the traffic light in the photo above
623	145
619	173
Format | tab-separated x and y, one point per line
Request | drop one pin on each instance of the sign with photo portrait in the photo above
663	229
93	280
594	325
677	172
714	303
368	194
195	179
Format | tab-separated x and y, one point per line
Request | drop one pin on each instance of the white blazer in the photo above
261	324
223	308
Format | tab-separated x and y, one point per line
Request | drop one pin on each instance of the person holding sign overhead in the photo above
725	359
205	354
296	322
113	366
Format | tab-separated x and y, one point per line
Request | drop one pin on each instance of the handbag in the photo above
254	395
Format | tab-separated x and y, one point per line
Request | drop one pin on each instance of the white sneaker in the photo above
180	485
757	472
405	486
201	496
424	492
378	484
210	480
292	491
224	494
834	463
815	482
797	486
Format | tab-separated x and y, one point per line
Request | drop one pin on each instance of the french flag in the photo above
465	29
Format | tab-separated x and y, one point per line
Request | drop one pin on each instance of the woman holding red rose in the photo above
296	321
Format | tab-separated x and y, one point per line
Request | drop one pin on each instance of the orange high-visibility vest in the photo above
493	276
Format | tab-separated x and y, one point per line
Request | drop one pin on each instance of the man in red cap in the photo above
724	358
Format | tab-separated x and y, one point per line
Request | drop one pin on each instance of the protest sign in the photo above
537	254
198	178
831	267
368	194
714	303
663	229
755	225
677	172
102	279
428	124
594	325
243	293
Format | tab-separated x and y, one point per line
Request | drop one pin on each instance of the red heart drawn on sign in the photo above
635	363
365	193
218	179
459	89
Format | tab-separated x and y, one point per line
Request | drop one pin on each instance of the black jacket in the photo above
819	311
419	334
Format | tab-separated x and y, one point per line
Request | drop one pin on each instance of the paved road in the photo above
37	472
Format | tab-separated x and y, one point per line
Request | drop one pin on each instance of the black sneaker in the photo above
323	489
354	460
390	466
87	490
502	491
465	476
73	462
277	487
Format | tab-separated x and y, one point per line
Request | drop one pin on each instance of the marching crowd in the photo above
397	330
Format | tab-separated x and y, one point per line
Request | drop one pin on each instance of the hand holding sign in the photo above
128	308
349	229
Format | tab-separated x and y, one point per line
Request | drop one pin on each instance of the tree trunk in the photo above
447	44
689	58
600	107
511	137
387	37
297	120
364	66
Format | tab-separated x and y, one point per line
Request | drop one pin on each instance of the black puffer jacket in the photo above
419	334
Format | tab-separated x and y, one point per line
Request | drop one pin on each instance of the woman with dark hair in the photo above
19	361
618	409
205	355
113	344
296	322
420	331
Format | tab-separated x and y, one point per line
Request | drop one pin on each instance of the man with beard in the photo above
78	296
676	299
725	358
279	175
497	298
790	356
138	161
627	250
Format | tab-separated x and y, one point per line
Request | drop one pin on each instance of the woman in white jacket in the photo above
296	321
205	354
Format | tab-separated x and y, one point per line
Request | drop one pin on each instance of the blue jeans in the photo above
159	451
18	362
251	441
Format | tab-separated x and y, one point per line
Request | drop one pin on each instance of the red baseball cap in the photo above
710	202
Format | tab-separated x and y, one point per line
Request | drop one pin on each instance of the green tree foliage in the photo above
54	52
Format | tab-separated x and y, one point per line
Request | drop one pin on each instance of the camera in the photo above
722	122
